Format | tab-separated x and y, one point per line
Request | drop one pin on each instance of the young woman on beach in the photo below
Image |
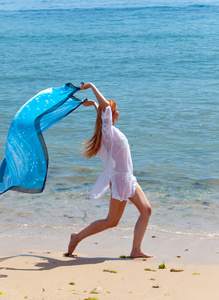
113	149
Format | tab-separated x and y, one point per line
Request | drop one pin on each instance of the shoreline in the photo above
36	269
165	246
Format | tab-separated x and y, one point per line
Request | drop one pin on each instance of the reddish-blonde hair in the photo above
92	145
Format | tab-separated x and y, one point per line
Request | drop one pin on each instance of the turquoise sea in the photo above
160	61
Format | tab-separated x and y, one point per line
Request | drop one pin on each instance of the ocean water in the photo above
160	62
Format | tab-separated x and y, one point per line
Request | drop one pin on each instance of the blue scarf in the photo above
25	165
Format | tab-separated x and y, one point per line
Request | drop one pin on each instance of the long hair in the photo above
92	146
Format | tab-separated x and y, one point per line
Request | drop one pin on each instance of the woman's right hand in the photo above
88	102
85	86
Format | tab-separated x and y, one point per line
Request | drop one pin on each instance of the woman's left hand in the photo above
85	86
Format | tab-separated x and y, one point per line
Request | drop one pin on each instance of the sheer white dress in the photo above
116	158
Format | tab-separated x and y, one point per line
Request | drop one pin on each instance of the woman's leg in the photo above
116	210
140	201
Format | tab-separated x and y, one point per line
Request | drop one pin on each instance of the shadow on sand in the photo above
49	263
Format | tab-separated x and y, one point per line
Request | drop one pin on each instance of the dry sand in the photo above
99	273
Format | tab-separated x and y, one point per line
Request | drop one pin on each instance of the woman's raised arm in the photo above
100	98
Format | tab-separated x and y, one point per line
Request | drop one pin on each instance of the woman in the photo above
113	149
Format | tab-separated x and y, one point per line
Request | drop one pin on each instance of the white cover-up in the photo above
116	158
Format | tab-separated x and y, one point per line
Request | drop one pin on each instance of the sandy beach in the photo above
98	272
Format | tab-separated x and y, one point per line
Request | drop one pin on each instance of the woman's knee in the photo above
112	222
149	210
146	210
141	202
115	212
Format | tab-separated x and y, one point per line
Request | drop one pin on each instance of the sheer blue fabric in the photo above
25	165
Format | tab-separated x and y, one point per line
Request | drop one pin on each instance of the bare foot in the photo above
140	254
72	244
